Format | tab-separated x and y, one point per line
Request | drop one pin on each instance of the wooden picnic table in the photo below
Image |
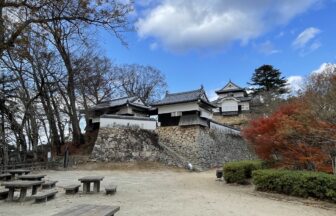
19	172
35	177
87	181
89	210
23	186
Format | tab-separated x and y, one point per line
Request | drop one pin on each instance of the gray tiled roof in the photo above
235	89
183	97
118	102
127	117
242	99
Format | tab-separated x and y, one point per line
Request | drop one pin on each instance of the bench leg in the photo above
52	197
34	190
74	191
41	200
86	187
23	193
10	194
46	187
3	196
96	186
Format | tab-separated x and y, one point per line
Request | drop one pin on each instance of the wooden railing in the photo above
30	166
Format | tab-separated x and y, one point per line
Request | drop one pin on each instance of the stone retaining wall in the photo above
235	121
121	144
202	147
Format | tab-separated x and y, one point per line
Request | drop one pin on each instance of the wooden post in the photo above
66	157
10	194
96	186
34	189
86	187
23	193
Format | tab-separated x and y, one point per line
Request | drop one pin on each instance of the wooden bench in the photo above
45	195
23	186
5	177
89	210
49	184
36	177
71	189
110	189
3	193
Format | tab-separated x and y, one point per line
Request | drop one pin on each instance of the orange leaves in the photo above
291	137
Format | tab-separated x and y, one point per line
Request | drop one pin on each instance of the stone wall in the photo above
179	146
121	144
204	147
238	121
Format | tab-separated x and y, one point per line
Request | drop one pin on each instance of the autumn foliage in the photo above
292	137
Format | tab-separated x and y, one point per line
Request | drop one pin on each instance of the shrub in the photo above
240	171
296	183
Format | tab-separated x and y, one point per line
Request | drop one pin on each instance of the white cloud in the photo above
325	67
295	83
303	39
183	25
212	94
267	48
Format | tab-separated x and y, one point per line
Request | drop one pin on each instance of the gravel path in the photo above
166	192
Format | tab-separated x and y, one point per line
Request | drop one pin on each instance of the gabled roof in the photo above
183	97
135	101
230	87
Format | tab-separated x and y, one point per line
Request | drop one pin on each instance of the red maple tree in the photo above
292	137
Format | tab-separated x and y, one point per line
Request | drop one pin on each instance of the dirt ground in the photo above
156	190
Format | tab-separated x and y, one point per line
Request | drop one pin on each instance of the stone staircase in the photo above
180	159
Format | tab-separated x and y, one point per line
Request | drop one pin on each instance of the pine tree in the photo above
268	79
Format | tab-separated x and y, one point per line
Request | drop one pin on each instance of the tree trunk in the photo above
46	104
2	29
3	139
3	133
34	129
18	131
58	118
76	133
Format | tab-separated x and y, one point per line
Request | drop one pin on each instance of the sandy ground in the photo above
164	191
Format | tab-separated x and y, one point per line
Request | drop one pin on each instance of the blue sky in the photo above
209	42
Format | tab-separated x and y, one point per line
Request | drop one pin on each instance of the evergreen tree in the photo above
268	79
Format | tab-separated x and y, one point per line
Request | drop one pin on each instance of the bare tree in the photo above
38	44
145	82
95	80
320	94
17	15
